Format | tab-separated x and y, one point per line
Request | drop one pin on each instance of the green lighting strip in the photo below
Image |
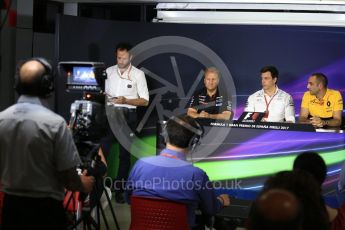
239	168
244	168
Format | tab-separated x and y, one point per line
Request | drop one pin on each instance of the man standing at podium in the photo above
126	89
277	105
321	106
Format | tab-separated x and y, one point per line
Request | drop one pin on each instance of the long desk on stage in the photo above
240	155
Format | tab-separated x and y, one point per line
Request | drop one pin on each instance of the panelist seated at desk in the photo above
276	103
209	102
321	107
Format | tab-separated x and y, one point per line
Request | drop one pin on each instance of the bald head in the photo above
30	71
276	209
30	79
278	205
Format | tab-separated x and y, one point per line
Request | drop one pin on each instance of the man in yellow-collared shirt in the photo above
321	106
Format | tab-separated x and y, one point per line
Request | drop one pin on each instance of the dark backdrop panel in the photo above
296	51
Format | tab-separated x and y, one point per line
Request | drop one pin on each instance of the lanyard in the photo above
128	76
268	104
168	155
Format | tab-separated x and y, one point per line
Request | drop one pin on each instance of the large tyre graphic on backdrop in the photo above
190	48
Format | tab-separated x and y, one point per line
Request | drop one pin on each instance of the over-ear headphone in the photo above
197	131
46	82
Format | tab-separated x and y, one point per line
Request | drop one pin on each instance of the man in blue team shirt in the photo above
170	176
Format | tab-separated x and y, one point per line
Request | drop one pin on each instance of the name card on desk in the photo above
258	125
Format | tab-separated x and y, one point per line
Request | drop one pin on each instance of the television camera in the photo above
88	123
88	120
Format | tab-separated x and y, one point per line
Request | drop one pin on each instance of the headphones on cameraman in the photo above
197	131
45	83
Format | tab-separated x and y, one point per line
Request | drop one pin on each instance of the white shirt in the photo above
131	84
281	107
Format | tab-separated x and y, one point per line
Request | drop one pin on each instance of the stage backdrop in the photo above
173	56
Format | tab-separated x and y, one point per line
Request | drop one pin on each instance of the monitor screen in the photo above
82	75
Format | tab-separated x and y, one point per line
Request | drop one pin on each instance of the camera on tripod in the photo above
88	120
88	124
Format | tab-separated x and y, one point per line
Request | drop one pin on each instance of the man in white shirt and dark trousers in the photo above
277	105
126	88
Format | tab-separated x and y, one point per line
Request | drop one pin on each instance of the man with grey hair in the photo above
209	102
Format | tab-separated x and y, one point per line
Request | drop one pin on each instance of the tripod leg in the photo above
111	209
100	208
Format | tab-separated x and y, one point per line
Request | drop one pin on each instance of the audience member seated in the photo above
313	163
275	209
308	194
169	176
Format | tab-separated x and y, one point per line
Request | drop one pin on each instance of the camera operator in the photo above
38	157
126	88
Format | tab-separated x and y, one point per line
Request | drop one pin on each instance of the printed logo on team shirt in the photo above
202	99
317	102
229	106
191	101
219	101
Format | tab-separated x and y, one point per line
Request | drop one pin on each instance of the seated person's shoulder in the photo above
197	171
194	99
334	92
284	93
201	91
257	93
148	159
306	96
